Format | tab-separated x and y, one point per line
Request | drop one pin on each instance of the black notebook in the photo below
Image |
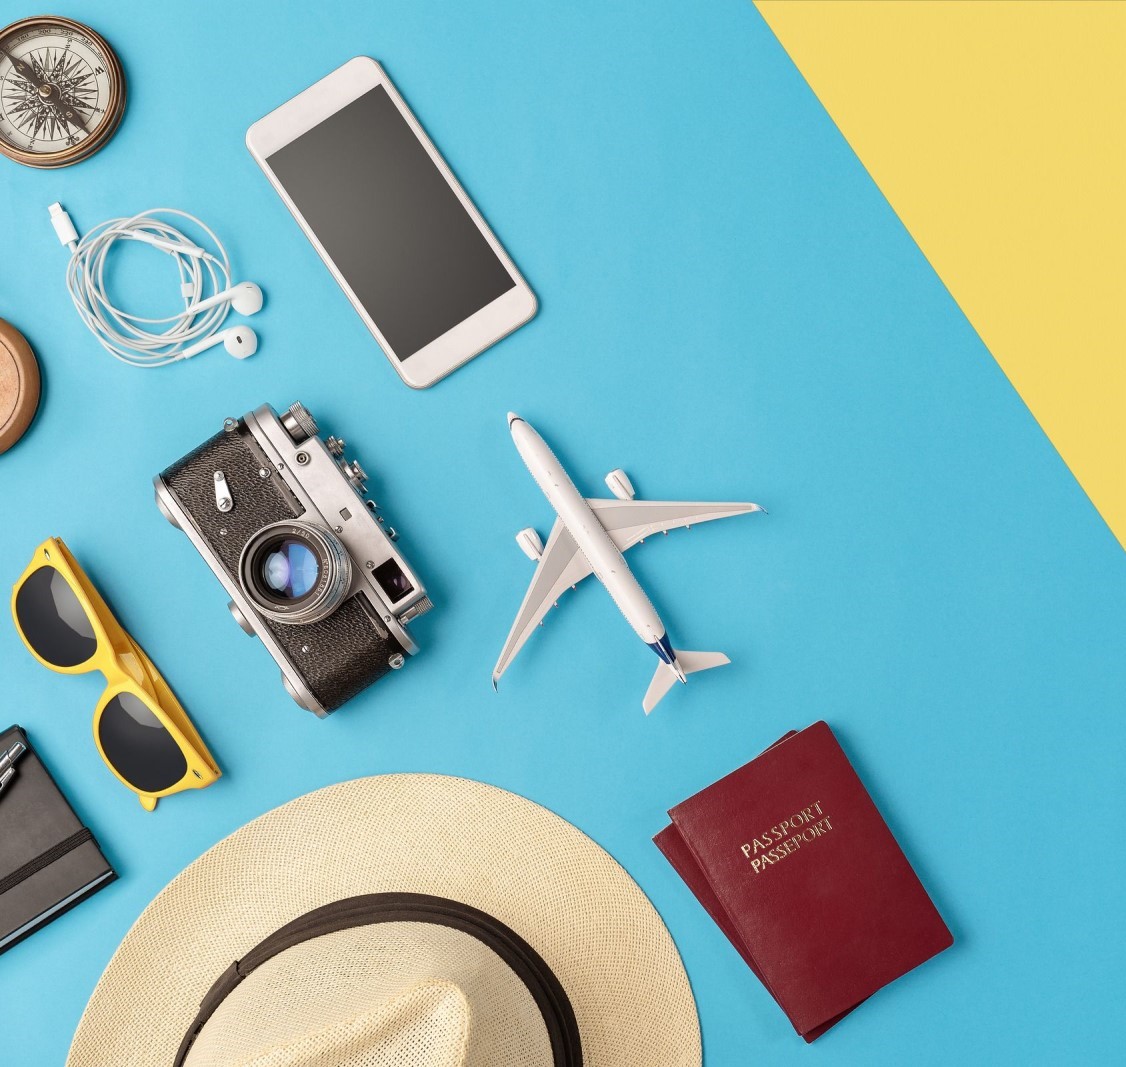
48	860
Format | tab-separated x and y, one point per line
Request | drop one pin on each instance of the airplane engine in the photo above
619	484
530	543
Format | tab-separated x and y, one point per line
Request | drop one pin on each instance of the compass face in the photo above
61	92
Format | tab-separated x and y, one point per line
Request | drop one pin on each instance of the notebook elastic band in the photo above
45	859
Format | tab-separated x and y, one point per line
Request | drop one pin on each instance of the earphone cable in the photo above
127	336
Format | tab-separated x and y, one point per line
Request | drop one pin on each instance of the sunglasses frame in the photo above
126	669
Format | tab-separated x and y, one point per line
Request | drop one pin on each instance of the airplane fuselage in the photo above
606	561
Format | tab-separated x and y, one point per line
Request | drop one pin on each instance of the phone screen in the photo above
390	222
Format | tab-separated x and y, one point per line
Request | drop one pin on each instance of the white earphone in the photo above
245	298
239	341
194	329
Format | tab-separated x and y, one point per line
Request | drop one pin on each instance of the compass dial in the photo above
62	92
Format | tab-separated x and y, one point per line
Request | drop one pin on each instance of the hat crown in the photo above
428	1023
390	994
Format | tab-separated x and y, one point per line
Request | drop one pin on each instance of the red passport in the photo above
793	862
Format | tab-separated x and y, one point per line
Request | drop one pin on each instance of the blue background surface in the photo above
729	309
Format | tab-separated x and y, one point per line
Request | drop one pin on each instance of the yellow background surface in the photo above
995	130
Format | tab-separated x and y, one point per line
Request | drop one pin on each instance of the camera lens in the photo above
295	572
289	568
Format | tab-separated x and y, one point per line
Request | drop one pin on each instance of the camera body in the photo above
312	570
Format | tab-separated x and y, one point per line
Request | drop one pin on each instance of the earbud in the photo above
239	341
245	298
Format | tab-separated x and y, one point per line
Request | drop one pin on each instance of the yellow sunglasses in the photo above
142	732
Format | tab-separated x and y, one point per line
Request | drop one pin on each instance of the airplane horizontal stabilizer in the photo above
690	662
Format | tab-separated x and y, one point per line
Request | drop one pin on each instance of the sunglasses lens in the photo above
53	621
138	746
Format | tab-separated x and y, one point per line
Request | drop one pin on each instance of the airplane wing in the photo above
561	566
630	521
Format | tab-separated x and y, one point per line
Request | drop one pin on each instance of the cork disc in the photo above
19	385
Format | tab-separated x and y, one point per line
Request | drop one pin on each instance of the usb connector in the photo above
64	228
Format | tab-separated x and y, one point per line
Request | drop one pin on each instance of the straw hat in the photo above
395	921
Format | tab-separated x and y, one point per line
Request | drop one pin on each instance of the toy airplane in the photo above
589	537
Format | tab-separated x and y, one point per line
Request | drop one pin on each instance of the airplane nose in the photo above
513	417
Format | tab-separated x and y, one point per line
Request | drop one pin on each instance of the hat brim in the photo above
403	833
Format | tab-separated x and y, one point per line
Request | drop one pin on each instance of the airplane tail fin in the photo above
690	662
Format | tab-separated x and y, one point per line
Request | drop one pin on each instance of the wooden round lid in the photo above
19	385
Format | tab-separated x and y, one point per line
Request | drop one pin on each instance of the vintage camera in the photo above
285	522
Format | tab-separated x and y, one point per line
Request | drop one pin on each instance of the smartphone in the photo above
386	214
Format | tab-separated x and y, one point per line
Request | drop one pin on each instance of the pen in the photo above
8	763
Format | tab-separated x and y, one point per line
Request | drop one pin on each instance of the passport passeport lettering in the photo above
772	846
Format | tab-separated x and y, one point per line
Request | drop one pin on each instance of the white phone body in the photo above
464	339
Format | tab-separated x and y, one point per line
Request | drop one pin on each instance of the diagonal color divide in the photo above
997	132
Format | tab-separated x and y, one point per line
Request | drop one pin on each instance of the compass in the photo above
62	91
